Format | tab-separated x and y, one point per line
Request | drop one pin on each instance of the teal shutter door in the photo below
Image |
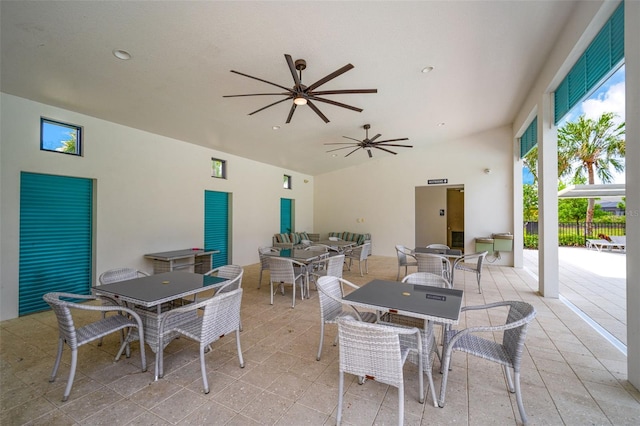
529	138
56	228
216	226
285	216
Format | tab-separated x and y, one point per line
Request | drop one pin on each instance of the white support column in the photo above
632	64
548	270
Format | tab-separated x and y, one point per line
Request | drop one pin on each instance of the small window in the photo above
60	137
287	182
218	168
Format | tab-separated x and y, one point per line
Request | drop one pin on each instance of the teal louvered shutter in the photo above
603	56
529	138
216	226
285	215
56	228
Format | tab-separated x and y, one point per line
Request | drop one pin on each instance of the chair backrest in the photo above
362	251
233	273
370	350
281	270
221	315
426	278
335	265
433	263
513	338
330	295
120	274
401	251
264	257
66	326
469	258
438	246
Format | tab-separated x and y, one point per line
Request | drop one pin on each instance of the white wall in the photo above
150	191
383	190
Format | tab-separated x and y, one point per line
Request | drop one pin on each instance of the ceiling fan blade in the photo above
270	105
264	81
390	152
352	152
292	68
392	144
338	149
341	92
340	104
255	94
317	111
291	111
342	143
393	140
331	76
375	137
353	139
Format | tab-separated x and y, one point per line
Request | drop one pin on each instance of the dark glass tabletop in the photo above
160	288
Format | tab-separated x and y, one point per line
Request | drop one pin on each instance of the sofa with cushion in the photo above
293	239
359	239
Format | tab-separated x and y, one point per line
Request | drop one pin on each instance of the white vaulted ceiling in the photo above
485	54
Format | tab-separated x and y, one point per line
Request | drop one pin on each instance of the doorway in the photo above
439	216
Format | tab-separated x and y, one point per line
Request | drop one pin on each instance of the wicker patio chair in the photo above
229	272
361	254
508	353
284	271
76	337
405	259
439	246
462	264
330	293
221	317
264	260
434	263
376	352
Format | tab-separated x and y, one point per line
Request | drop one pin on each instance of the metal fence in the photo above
573	234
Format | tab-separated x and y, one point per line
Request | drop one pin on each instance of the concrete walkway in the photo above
594	282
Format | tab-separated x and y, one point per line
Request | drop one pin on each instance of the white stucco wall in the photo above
149	196
382	191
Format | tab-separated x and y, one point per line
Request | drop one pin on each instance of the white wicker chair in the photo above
221	317
331	292
229	272
264	260
462	264
405	259
439	246
508	353
377	352
76	337
361	254
434	263
283	271
329	266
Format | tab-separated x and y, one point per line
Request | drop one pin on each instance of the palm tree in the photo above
591	147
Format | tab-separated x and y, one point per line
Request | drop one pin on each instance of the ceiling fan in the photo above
304	95
367	143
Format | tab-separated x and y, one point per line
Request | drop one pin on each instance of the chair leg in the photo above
72	374
239	349
444	369
321	341
479	288
271	290
401	404
340	396
56	364
293	305
523	415
260	279
203	368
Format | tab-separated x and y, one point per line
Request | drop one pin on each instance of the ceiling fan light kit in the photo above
368	144
302	94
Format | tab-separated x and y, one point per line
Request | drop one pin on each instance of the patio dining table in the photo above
303	256
152	295
451	254
338	246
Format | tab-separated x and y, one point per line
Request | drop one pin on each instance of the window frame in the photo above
287	182
223	168
72	127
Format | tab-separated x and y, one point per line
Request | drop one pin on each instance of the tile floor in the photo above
571	374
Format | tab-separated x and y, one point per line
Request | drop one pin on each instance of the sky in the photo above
609	97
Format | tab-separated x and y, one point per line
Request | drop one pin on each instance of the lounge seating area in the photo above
569	372
613	242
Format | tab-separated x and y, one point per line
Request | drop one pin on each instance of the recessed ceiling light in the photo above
121	54
427	69
334	155
276	127
440	124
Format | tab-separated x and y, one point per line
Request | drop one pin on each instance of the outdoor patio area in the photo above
571	374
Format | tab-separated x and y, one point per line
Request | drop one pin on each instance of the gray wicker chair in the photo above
376	352
462	264
221	317
264	260
284	271
439	246
331	292
229	272
76	337
120	274
434	263
405	259
327	267
361	254
508	353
